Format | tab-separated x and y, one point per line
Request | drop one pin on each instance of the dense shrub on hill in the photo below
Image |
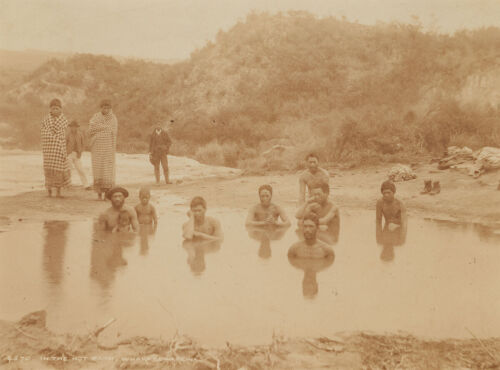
353	93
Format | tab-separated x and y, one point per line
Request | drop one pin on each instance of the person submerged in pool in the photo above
393	212
327	212
110	219
266	213
310	247
200	226
310	255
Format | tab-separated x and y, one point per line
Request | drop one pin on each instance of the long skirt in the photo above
103	162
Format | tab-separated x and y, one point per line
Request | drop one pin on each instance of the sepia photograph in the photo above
249	184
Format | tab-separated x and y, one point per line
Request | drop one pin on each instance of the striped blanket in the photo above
55	161
102	131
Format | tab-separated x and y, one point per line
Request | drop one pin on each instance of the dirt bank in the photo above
462	198
28	344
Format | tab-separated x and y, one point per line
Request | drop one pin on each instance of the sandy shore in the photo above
462	198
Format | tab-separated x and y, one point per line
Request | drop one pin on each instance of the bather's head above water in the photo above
312	162
310	227
265	195
388	189
320	193
198	208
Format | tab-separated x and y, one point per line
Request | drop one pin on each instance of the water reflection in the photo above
389	239
146	232
196	250
53	251
107	256
485	233
310	255
264	235
488	234
310	267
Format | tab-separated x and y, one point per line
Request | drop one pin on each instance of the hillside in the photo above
354	93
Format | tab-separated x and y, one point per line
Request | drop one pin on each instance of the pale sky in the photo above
172	29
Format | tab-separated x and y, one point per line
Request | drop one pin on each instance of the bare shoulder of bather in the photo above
294	249
133	216
210	228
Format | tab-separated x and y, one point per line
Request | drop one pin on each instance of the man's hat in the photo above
110	192
74	124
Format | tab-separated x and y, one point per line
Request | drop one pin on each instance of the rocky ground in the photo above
28	344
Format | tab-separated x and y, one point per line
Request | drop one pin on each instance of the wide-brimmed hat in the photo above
74	124
110	192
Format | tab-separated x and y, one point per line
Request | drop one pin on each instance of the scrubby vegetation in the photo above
354	93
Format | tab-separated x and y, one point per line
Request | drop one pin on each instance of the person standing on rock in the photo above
311	177
103	128
74	146
159	146
55	160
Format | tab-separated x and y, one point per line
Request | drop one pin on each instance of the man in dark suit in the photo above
159	146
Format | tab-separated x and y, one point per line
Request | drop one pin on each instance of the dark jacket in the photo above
159	144
74	142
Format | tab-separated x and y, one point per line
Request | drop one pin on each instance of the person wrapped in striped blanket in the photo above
103	128
55	161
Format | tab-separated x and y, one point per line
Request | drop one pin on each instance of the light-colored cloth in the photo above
102	132
55	162
77	164
400	172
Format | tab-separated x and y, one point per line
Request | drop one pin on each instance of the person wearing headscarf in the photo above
103	129
159	146
55	160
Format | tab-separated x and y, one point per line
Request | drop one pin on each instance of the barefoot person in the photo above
310	247
200	226
311	177
266	213
159	146
318	203
102	130
393	212
146	212
55	160
74	146
110	218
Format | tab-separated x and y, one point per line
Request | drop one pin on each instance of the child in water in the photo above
146	213
393	212
123	222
